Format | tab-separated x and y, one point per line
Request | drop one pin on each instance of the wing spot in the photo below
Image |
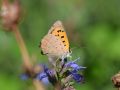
57	35
62	36
59	31
63	41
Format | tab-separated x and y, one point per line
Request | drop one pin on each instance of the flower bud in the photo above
10	13
116	80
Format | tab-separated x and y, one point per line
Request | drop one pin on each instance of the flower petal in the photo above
77	77
43	78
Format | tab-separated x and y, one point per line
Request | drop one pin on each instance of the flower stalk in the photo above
26	58
25	55
116	80
10	15
61	76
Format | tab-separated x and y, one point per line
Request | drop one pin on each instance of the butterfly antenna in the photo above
72	48
76	59
78	46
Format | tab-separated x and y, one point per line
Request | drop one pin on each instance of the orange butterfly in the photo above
55	44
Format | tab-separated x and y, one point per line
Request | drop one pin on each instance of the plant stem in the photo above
25	57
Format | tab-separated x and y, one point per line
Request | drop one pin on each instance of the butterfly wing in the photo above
58	30
51	46
55	43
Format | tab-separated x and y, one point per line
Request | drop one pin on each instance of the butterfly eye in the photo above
43	53
65	59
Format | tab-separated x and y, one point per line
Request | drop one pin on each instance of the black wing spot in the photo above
59	31
63	41
57	35
62	31
64	45
62	36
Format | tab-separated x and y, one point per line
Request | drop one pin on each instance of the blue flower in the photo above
47	75
47	70
77	77
73	69
74	65
24	76
43	78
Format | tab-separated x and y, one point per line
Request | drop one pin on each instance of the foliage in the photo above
93	28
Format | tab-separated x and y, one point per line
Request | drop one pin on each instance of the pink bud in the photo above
10	13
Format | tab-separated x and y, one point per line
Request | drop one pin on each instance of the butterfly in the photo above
55	44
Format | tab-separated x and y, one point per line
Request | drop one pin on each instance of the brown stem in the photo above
25	55
26	58
38	85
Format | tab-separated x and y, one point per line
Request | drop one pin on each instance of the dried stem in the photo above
58	86
26	58
38	85
25	55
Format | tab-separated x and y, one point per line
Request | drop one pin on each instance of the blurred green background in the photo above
93	28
